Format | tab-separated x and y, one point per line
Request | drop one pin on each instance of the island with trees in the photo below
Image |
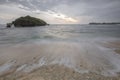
104	23
27	21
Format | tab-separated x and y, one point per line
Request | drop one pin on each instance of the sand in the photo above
57	72
117	51
115	45
65	61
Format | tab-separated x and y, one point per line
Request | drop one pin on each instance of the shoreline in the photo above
18	65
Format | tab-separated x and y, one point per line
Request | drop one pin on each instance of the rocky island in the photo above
27	21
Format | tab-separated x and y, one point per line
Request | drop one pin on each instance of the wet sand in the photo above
115	45
117	51
59	61
57	72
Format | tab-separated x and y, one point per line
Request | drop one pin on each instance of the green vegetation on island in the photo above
27	21
104	23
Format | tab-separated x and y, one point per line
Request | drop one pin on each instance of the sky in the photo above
61	11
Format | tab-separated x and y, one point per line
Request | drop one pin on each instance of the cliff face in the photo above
28	21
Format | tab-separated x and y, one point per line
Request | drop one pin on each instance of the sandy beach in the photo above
56	72
65	61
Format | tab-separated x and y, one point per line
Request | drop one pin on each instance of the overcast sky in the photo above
61	11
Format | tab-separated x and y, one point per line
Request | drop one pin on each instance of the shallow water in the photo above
74	46
59	32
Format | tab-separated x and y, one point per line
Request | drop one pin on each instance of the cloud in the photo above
7	14
81	10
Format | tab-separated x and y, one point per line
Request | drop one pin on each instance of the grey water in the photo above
74	46
59	32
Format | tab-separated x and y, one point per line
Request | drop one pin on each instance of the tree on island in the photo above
104	23
27	21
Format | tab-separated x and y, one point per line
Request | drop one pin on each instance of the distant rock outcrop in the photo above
9	25
112	23
27	21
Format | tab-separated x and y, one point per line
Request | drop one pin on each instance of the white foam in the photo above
30	67
6	67
21	67
82	57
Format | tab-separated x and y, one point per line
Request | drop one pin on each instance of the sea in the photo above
72	33
77	46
